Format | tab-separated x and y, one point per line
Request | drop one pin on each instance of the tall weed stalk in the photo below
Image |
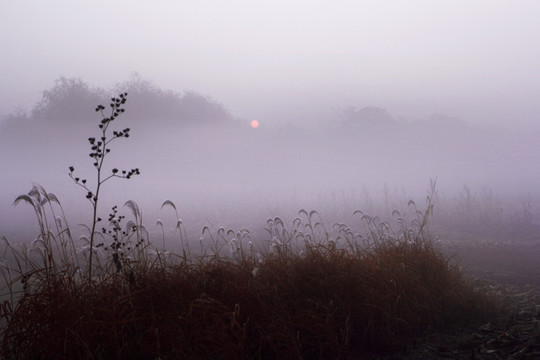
100	148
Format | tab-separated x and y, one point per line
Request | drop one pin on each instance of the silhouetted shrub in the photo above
151	107
64	101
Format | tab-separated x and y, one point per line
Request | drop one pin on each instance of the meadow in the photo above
301	288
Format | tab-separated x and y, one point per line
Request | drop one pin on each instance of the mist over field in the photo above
360	106
269	179
220	171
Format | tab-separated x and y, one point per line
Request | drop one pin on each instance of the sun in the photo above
254	124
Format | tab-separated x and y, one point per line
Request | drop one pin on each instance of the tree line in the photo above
70	101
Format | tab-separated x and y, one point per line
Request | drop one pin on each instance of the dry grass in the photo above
312	295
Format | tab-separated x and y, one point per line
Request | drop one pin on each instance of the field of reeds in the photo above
307	290
302	289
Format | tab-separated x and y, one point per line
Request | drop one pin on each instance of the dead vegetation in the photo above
304	293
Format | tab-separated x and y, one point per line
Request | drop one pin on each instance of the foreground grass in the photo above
311	294
323	302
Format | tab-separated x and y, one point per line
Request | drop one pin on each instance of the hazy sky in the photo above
294	60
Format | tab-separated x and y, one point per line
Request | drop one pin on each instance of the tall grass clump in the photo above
301	291
304	293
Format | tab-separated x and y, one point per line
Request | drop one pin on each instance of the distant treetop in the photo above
70	100
67	101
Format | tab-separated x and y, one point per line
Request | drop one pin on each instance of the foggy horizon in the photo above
351	98
222	172
288	62
269	179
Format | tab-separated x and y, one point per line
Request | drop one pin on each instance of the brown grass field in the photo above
309	295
